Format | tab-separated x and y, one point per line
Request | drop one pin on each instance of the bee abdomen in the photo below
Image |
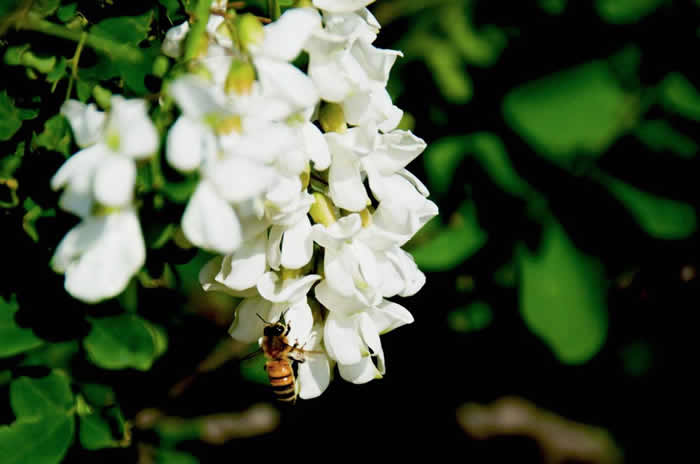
282	380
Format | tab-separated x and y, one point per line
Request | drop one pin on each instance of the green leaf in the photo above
45	7
443	157
659	217
474	317
626	11
10	163
171	7
124	341
95	433
452	245
9	6
125	29
14	339
563	297
661	136
67	12
553	7
580	109
445	63
164	456
680	96
44	427
55	355
56	135
180	192
50	395
35	441
10	117
481	48
253	370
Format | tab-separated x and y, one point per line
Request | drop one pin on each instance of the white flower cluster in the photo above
303	190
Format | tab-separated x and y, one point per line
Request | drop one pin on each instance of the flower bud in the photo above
240	78
250	30
160	66
303	4
323	210
102	96
332	118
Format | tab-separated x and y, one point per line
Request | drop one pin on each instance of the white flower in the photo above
352	337
100	255
361	150
276	296
104	171
341	5
282	41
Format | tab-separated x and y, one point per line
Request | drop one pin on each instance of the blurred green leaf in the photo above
13	338
474	317
480	48
55	355
31	397
661	136
123	341
680	96
563	297
124	29
171	7
580	109
95	432
11	117
637	358
66	12
626	11
45	424
45	7
453	244
165	456
253	369
8	6
56	135
553	7
444	61
659	217
443	157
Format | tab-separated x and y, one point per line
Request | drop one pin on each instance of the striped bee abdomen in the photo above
282	379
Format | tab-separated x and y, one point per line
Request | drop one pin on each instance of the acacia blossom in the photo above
302	188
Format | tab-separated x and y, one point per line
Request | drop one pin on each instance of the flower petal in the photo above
106	267
340	6
300	321
247	264
361	372
237	179
345	181
79	169
342	341
285	82
114	181
209	222
274	289
388	316
284	38
189	142
316	146
336	302
370	335
247	327
138	137
297	246
86	121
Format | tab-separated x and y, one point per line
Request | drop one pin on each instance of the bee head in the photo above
276	329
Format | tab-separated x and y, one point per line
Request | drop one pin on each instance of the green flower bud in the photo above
323	210
102	96
303	4
13	55
250	30
240	77
43	65
160	66
332	118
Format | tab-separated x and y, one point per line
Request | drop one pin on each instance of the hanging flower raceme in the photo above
101	254
302	191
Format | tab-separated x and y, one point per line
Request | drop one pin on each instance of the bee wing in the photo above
255	353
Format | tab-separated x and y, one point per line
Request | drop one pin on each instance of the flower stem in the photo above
273	9
198	29
109	47
74	63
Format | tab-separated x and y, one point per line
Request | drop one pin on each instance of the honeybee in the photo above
281	359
